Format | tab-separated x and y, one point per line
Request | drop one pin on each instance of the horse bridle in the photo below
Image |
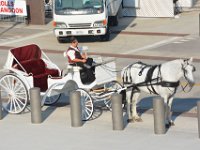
184	73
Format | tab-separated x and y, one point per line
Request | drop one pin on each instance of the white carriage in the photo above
28	66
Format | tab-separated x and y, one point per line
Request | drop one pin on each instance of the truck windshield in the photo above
74	7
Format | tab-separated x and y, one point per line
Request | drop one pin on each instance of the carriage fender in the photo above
70	86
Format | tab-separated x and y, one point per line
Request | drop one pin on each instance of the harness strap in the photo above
170	84
134	90
126	74
148	79
145	66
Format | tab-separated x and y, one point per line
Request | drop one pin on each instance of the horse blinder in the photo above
194	69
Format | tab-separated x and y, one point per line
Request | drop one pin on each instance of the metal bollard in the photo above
198	116
1	111
159	115
75	109
35	101
117	112
199	24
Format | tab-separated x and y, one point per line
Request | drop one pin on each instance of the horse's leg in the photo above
168	103
166	110
129	105
134	108
169	112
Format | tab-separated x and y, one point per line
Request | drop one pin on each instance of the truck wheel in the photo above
106	37
115	20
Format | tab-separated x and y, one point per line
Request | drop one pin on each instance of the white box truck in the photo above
85	17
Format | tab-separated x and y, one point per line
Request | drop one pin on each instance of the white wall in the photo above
187	3
148	8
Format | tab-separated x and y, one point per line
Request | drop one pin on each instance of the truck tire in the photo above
115	20
105	37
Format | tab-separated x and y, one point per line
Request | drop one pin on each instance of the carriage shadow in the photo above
4	114
98	111
180	106
64	101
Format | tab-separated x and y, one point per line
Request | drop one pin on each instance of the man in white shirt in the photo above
76	58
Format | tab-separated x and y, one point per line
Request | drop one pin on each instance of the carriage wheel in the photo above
113	85
14	94
86	104
52	99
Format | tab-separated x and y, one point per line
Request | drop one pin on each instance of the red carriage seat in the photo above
30	59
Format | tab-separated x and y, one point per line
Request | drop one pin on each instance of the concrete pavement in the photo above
133	35
17	132
56	132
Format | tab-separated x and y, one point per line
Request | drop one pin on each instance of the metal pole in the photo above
35	101
1	112
198	116
199	24
75	111
159	115
117	112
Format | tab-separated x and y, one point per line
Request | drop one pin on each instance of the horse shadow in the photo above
180	106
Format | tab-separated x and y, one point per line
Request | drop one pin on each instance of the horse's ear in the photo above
190	60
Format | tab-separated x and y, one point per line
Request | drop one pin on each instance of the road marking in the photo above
161	43
7	38
26	38
177	42
191	38
185	40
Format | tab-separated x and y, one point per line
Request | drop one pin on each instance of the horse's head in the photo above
188	69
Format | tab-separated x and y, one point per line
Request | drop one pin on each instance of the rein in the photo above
184	73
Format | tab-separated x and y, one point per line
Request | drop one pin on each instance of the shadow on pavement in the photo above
96	113
179	106
6	30
47	112
62	102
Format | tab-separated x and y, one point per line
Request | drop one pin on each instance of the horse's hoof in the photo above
167	125
138	119
130	120
172	123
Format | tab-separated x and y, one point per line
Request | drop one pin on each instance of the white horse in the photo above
160	79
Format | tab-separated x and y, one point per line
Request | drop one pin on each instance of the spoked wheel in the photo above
52	98
86	104
14	94
111	86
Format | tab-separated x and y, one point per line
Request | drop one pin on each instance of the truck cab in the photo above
81	18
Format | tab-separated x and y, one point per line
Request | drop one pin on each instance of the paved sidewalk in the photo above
56	132
17	132
141	35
